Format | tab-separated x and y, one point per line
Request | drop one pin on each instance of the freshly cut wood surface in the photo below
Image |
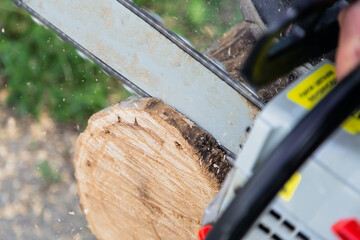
144	171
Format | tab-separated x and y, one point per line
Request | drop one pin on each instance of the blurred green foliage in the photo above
40	72
200	21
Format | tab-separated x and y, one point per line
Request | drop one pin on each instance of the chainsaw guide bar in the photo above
131	45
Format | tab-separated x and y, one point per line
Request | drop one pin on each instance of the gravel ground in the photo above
31	206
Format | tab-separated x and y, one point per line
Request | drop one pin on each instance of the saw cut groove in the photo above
144	171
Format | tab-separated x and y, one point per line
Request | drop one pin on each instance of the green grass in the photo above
47	173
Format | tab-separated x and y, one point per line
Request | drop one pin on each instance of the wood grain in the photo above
144	171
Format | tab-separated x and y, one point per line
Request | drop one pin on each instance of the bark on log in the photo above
234	47
144	171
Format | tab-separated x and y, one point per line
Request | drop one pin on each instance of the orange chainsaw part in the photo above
347	229
204	231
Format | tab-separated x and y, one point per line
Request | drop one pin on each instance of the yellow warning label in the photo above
310	91
313	88
352	124
290	187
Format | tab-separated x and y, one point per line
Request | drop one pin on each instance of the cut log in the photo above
144	171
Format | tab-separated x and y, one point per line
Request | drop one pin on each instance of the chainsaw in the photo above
297	175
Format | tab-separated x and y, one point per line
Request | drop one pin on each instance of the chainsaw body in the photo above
323	192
